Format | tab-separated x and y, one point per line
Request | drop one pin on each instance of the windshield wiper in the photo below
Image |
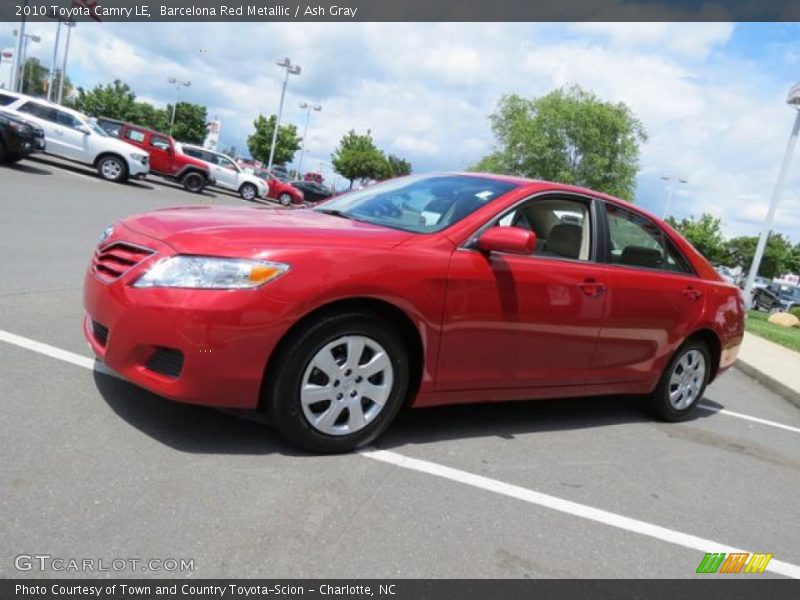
334	212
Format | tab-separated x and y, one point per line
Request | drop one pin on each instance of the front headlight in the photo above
208	272
138	156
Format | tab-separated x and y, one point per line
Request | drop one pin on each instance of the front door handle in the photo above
692	294
591	287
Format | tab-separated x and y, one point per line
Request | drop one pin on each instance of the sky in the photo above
711	96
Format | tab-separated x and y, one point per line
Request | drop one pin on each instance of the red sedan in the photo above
423	290
282	191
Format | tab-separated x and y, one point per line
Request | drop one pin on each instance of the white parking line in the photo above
568	507
730	413
64	355
485	483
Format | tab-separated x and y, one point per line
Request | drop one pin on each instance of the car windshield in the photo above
422	204
92	124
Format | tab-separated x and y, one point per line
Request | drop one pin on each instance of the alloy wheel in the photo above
111	168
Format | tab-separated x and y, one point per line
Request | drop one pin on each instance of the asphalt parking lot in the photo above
95	467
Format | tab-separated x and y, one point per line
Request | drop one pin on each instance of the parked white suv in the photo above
228	174
74	136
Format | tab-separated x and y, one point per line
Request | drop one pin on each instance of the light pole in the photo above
177	83
53	64
308	107
70	25
793	100
18	54
671	181
291	69
25	37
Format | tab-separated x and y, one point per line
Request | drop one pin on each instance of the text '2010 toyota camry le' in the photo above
421	291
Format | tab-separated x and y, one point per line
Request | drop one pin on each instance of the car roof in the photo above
134	125
43	102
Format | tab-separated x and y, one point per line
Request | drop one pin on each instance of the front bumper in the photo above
137	168
206	347
24	144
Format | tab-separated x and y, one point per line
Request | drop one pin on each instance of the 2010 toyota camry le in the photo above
421	291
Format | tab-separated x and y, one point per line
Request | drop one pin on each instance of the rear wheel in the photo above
340	383
248	191
112	168
683	382
194	182
285	199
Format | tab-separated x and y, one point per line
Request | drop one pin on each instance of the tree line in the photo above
705	234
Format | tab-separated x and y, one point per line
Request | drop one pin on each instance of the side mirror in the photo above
511	240
83	129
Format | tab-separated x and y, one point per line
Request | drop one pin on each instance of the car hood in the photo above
245	230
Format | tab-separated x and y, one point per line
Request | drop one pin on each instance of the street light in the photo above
308	108
671	181
177	83
70	25
291	69
793	100
25	38
51	76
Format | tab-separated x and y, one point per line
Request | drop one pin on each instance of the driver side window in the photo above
562	226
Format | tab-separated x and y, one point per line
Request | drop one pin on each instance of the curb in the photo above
769	382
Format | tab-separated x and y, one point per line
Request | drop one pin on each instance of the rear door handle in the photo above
592	287
692	294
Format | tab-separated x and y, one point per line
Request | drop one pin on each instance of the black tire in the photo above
194	182
248	192
659	401
288	372
13	158
285	199
3	151
112	168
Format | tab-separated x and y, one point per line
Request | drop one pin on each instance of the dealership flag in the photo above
91	5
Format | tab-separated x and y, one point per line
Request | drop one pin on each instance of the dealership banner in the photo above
396	589
400	10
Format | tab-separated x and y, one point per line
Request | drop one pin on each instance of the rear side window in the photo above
135	135
5	99
636	241
40	110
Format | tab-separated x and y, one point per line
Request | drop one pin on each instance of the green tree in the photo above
35	79
357	157
777	259
705	234
398	166
113	100
286	144
570	136
190	122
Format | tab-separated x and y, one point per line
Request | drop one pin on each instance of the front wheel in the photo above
339	383
112	168
248	191
682	384
285	199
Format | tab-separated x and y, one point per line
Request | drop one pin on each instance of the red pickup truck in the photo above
165	158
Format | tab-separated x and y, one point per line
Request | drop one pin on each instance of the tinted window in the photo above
421	204
135	135
111	128
39	110
159	142
66	119
5	99
638	242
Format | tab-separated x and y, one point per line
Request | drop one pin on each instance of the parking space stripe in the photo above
57	353
568	507
730	413
485	483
